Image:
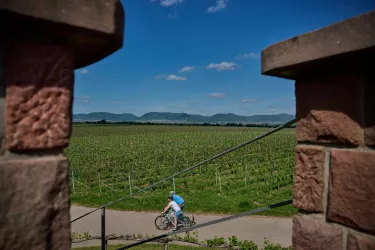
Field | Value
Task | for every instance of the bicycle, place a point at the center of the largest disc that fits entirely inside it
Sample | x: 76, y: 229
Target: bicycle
x: 165, y: 221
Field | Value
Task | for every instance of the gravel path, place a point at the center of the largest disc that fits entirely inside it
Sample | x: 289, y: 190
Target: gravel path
x: 277, y: 230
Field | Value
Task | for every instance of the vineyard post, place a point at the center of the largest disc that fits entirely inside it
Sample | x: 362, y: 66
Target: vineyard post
x: 274, y: 168
x: 216, y: 174
x: 73, y: 179
x: 245, y: 175
x: 220, y: 181
x: 116, y: 175
x: 100, y: 187
x: 228, y: 182
x: 166, y: 245
x: 257, y: 173
x: 291, y: 168
x: 174, y: 170
x: 130, y: 185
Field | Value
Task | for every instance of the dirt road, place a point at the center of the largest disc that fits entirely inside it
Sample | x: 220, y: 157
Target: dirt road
x: 277, y: 230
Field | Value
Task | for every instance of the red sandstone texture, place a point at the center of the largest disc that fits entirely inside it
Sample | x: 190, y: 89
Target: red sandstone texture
x: 360, y: 242
x: 351, y: 197
x: 34, y: 203
x: 313, y: 234
x: 328, y: 109
x: 308, y: 180
x: 39, y: 79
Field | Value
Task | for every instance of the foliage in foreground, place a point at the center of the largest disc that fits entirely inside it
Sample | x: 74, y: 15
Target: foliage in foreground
x: 231, y: 243
x: 148, y: 247
x: 111, y: 161
x: 234, y: 243
x: 217, y: 243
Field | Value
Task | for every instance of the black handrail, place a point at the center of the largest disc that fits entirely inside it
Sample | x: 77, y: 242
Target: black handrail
x: 209, y: 223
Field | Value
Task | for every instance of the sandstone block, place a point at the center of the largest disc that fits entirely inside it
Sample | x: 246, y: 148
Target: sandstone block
x: 2, y: 124
x: 312, y: 234
x: 360, y: 242
x: 351, y: 197
x: 2, y: 102
x: 93, y: 29
x: 39, y: 79
x: 308, y: 179
x: 34, y: 211
x: 339, y: 47
x: 369, y: 108
x: 328, y: 109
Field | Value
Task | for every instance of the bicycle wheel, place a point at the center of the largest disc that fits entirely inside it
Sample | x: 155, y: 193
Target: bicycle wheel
x: 162, y: 223
x: 190, y: 219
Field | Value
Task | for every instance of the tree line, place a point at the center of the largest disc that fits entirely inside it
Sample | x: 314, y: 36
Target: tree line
x: 229, y: 124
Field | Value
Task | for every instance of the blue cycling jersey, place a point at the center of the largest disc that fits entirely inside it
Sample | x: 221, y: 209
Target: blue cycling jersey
x: 178, y: 199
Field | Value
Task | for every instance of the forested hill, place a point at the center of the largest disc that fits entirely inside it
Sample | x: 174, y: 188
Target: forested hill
x: 182, y: 118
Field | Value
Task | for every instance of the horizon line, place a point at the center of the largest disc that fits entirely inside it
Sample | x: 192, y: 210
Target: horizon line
x: 175, y: 113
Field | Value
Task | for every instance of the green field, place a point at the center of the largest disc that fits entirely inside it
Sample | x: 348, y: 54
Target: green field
x: 104, y: 158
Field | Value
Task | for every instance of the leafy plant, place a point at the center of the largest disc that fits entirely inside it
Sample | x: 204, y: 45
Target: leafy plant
x: 215, y: 242
x: 270, y: 246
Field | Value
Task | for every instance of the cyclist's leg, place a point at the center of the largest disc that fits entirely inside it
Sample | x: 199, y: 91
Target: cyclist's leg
x: 177, y: 215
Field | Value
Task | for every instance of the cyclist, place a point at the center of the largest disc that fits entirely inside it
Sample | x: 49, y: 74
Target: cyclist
x: 177, y: 211
x: 180, y: 202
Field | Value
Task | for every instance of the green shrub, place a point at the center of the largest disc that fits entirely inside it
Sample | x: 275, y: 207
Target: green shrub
x: 215, y: 242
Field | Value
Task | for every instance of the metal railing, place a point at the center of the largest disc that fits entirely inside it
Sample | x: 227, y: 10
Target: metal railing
x: 102, y: 208
x: 209, y: 223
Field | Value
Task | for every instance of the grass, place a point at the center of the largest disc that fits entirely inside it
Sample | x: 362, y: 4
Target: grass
x: 104, y: 157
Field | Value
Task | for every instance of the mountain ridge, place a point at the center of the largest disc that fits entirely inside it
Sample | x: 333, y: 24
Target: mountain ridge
x: 182, y: 117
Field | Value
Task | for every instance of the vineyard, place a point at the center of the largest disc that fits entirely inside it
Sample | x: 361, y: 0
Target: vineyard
x: 111, y: 161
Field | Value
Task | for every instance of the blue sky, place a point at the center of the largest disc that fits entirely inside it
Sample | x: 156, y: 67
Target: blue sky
x: 202, y: 56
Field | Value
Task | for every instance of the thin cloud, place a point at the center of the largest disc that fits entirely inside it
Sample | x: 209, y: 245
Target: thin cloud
x: 250, y: 101
x: 84, y: 71
x: 193, y: 101
x: 171, y: 77
x: 176, y: 78
x: 272, y: 110
x: 250, y: 55
x: 220, y: 5
x: 222, y: 66
x: 82, y: 99
x: 168, y: 3
x: 217, y: 95
x: 186, y: 69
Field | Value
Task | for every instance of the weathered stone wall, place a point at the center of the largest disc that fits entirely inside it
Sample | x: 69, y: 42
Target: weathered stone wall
x: 40, y: 49
x: 334, y: 183
x: 34, y: 174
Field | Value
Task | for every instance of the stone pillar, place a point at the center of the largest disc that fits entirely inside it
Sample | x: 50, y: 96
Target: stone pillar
x: 334, y: 183
x: 40, y: 49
